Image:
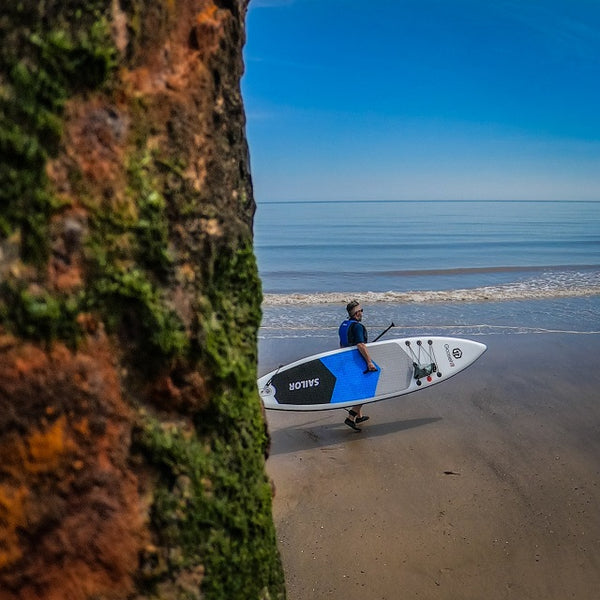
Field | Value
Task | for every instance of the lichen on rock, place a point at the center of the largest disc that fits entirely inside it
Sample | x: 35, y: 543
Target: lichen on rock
x: 132, y: 437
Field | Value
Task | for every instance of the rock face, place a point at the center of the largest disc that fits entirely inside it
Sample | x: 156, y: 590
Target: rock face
x: 132, y: 441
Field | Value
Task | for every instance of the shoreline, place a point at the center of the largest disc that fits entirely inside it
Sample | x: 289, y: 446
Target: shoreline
x: 486, y: 485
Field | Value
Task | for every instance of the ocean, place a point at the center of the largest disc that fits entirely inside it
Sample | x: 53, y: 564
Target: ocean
x: 431, y: 267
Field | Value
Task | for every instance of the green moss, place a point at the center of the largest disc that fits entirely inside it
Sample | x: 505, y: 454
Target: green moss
x: 151, y: 226
x: 42, y: 67
x: 213, y: 500
x: 133, y: 307
x: 231, y: 310
x: 39, y: 316
x: 213, y: 503
x: 129, y: 263
x: 177, y: 188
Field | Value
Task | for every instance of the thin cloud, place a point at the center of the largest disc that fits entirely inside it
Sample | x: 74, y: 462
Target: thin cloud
x: 566, y: 32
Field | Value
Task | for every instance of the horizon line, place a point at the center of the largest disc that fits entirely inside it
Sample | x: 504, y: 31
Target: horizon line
x: 344, y: 201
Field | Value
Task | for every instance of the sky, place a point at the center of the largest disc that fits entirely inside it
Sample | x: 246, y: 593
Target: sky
x: 423, y: 99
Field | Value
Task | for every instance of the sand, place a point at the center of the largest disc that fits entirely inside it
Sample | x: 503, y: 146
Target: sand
x: 483, y: 487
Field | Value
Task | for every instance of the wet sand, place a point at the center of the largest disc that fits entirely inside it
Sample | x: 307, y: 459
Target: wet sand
x: 485, y: 486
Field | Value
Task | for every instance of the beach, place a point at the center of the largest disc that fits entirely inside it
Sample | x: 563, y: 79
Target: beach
x: 485, y: 486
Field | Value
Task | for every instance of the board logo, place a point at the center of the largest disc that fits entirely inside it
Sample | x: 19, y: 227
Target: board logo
x: 303, y: 384
x: 457, y: 352
x: 449, y: 354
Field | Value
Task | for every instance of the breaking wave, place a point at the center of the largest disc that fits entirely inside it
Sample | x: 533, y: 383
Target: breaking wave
x: 494, y: 293
x: 557, y: 285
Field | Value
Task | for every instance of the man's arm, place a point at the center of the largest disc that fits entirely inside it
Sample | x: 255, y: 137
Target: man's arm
x: 362, y: 348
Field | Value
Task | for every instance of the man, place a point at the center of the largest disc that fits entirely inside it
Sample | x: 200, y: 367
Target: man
x: 353, y: 333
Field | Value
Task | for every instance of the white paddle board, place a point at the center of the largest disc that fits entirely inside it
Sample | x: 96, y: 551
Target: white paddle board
x: 340, y: 379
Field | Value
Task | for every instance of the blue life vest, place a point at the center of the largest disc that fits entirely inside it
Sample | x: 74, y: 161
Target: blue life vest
x: 346, y: 339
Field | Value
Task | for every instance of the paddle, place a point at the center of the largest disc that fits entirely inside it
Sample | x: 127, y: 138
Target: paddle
x: 380, y: 335
x: 384, y: 331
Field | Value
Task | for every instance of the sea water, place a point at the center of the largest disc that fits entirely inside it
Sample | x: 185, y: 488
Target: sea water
x: 445, y: 268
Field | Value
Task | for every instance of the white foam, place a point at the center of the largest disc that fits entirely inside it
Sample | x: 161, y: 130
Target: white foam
x: 467, y: 295
x: 537, y: 289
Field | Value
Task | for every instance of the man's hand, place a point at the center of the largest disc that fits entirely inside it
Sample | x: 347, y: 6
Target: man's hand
x: 362, y: 348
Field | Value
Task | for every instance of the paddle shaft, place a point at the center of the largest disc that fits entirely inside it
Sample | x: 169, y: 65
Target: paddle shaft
x: 384, y: 331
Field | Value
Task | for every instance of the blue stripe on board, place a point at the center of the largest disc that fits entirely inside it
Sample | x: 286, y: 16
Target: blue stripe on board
x: 352, y: 382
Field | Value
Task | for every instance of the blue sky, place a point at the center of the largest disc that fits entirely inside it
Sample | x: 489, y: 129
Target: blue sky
x: 423, y: 99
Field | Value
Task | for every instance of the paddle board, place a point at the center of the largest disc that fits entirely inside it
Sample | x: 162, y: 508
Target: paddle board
x: 340, y: 379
